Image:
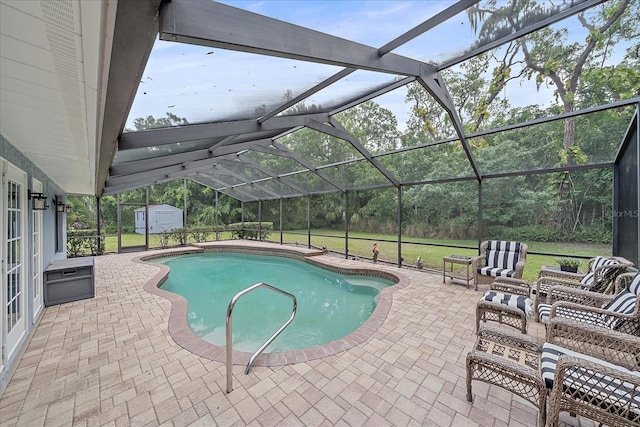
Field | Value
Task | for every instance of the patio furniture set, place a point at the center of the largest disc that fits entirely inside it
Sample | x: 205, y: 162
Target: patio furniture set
x: 589, y: 362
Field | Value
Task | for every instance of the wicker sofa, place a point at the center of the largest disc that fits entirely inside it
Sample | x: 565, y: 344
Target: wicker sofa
x: 600, y: 278
x: 580, y: 368
x: 498, y: 258
x: 620, y: 312
x: 592, y: 372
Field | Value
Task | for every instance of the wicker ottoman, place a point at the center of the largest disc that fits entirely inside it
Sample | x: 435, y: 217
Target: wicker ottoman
x: 510, y: 361
x: 507, y: 303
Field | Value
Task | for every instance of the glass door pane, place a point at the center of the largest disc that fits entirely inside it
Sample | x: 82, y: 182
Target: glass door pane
x: 14, y: 278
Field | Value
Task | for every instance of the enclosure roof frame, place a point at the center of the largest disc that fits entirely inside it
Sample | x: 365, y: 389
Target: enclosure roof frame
x: 212, y: 24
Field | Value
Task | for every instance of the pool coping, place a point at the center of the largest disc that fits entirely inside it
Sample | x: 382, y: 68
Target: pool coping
x: 185, y: 338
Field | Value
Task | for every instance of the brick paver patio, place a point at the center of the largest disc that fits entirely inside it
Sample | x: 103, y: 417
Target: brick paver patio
x: 111, y: 360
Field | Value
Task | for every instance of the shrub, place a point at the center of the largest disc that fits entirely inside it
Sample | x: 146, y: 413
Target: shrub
x: 529, y: 233
x: 74, y: 246
x: 596, y: 234
x: 95, y: 245
x: 110, y: 229
x: 540, y: 233
x: 199, y: 235
x: 250, y: 230
x: 179, y: 235
x: 80, y: 242
x: 164, y: 239
x: 569, y: 262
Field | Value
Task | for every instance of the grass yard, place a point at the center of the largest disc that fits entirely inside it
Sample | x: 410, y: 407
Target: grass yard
x: 360, y: 245
x: 133, y: 239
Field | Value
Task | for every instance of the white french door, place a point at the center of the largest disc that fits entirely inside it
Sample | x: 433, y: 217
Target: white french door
x: 13, y: 258
x: 36, y: 256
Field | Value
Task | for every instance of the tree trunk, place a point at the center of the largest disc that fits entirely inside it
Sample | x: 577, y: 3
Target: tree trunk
x: 566, y: 188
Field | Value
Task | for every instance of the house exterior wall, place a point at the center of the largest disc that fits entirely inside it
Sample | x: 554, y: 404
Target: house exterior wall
x: 48, y: 251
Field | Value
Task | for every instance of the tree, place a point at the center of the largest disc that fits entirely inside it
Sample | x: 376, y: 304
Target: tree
x: 150, y: 122
x: 81, y: 212
x: 373, y: 126
x: 552, y: 59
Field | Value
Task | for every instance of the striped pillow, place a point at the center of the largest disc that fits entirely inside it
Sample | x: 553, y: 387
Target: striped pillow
x: 606, y: 261
x: 516, y: 301
x: 623, y: 303
x: 501, y: 254
x: 599, y: 261
x: 634, y: 286
x: 587, y: 279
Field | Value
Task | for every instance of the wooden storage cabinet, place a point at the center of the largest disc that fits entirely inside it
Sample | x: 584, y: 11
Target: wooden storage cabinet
x: 69, y: 280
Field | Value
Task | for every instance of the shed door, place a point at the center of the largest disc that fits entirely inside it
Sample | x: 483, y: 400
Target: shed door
x: 164, y: 220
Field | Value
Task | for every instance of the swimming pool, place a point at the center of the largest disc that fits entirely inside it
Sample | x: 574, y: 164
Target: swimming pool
x: 330, y: 305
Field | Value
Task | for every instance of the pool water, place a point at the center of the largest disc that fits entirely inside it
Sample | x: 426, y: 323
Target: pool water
x: 330, y: 305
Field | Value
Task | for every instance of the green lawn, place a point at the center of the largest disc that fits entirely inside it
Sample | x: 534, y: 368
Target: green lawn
x: 360, y: 245
x: 132, y: 239
x: 432, y: 255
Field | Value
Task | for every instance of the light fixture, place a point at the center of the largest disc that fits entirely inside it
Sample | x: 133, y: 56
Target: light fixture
x: 38, y: 201
x: 60, y: 207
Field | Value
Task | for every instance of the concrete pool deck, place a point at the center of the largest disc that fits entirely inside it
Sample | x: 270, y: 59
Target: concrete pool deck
x: 111, y: 360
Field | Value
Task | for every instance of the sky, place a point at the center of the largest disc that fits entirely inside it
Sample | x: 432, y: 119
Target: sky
x: 206, y: 84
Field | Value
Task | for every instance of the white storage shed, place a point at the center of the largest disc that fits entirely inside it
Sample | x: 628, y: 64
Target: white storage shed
x: 162, y: 218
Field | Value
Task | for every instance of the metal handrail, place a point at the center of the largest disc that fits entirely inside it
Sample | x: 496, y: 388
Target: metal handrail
x: 261, y: 349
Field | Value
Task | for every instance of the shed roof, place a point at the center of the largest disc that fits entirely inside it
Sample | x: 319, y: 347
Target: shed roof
x: 155, y: 207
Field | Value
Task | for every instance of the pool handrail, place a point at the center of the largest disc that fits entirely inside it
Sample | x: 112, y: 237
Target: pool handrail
x: 229, y: 343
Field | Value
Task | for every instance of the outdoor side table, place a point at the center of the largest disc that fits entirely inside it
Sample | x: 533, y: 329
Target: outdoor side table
x: 457, y: 275
x: 511, y: 361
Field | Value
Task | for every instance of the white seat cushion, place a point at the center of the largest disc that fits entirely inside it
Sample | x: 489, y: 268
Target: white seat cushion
x: 496, y: 272
x: 544, y: 313
x: 517, y: 301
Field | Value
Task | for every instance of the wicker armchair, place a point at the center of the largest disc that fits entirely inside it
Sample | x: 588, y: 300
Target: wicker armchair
x: 600, y: 278
x: 592, y: 372
x: 619, y: 312
x: 498, y: 259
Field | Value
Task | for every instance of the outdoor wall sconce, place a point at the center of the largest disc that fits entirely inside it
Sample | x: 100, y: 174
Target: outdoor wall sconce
x: 38, y: 201
x: 61, y: 207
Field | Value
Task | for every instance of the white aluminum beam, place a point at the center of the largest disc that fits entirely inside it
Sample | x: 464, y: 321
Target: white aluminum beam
x: 199, y: 132
x: 135, y: 32
x: 213, y: 24
x: 434, y: 84
x: 338, y: 131
x: 187, y: 160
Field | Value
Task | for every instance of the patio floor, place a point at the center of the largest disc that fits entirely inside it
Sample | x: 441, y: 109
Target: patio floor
x: 111, y: 360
